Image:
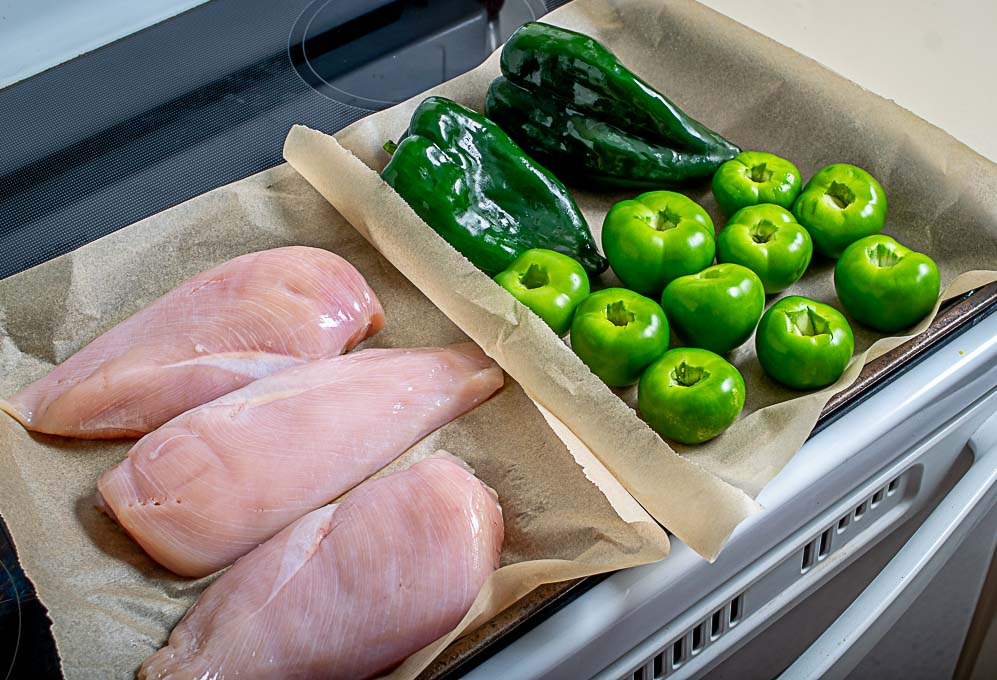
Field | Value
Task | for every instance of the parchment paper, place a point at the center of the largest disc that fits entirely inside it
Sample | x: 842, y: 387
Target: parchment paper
x: 110, y: 605
x: 942, y: 200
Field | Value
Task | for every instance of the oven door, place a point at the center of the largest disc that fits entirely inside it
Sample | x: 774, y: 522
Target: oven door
x: 897, y: 604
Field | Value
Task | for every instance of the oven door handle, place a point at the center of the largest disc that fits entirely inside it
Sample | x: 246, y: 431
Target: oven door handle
x: 860, y: 627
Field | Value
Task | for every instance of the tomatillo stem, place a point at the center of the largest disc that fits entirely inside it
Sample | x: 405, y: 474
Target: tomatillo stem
x: 687, y: 376
x: 808, y: 322
x: 535, y: 277
x: 882, y: 255
x: 618, y: 314
x: 841, y: 194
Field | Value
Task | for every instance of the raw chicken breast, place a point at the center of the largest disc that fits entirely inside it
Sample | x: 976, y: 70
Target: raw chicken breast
x: 215, y: 482
x: 244, y: 319
x: 349, y: 590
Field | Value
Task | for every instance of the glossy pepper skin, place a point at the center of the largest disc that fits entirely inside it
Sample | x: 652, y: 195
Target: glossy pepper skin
x: 885, y: 285
x: 690, y: 395
x: 804, y: 344
x: 617, y: 333
x: 839, y: 205
x: 549, y: 283
x: 753, y: 178
x: 716, y: 309
x: 574, y: 107
x: 767, y: 240
x: 475, y: 187
x: 655, y: 238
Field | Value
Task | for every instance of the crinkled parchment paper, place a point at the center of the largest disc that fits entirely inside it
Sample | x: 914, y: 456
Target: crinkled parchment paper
x: 942, y: 200
x: 110, y: 605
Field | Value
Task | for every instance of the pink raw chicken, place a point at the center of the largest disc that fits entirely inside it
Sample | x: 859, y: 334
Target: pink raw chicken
x: 215, y: 482
x: 349, y: 590
x: 244, y: 319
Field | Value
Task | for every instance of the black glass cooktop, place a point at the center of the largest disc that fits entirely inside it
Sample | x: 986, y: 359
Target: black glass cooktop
x: 190, y: 104
x: 207, y: 97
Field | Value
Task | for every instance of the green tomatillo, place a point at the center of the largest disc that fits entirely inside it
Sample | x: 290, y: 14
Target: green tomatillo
x: 839, y: 205
x: 617, y: 333
x: 656, y: 238
x: 884, y: 285
x: 767, y: 240
x: 755, y: 177
x: 804, y: 344
x: 690, y: 395
x: 550, y: 283
x: 716, y: 309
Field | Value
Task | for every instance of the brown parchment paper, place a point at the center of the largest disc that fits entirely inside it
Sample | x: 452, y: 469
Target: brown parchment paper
x: 110, y: 605
x: 761, y: 95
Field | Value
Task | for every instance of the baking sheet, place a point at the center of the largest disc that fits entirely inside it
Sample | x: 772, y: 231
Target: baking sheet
x: 942, y: 200
x: 110, y: 605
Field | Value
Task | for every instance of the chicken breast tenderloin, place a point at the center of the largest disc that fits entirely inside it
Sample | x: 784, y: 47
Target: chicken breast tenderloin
x: 215, y: 482
x: 247, y: 318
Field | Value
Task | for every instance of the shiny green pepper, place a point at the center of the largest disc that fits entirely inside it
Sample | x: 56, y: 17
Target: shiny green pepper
x: 477, y: 189
x: 839, y: 205
x: 884, y: 285
x: 767, y: 240
x: 716, y: 309
x: 656, y: 238
x: 617, y: 333
x: 753, y: 178
x: 690, y: 395
x: 804, y: 344
x: 578, y: 110
x: 549, y: 283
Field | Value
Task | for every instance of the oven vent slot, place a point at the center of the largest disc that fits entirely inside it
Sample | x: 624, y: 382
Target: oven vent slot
x: 822, y: 545
x: 688, y: 653
x: 693, y: 641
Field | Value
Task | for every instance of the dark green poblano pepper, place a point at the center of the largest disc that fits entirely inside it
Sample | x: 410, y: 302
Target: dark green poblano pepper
x: 573, y: 106
x: 477, y: 189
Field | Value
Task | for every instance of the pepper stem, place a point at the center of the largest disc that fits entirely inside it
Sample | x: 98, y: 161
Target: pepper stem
x: 390, y: 147
x: 687, y: 376
x: 808, y: 322
x: 882, y: 255
x: 840, y: 194
x: 618, y: 314
x: 535, y: 276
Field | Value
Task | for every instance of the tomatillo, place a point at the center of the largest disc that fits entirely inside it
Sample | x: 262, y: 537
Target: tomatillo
x: 656, y: 238
x: 716, y: 309
x: 690, y: 395
x: 617, y: 333
x: 550, y: 283
x: 755, y: 177
x: 885, y: 285
x: 839, y: 205
x: 767, y: 240
x: 804, y: 344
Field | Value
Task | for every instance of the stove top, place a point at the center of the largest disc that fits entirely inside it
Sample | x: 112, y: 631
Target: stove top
x: 207, y: 97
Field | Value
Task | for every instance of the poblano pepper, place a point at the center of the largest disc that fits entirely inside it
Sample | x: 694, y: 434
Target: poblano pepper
x: 474, y: 186
x: 573, y: 106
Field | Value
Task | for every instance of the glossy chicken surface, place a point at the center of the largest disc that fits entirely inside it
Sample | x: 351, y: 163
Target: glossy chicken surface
x: 218, y: 331
x: 215, y: 482
x: 349, y: 590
